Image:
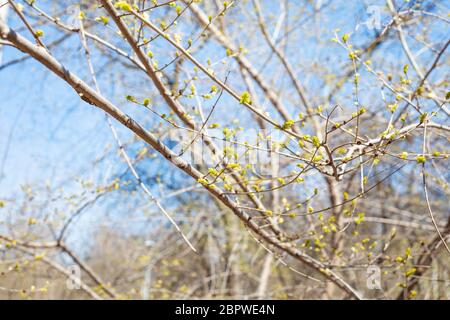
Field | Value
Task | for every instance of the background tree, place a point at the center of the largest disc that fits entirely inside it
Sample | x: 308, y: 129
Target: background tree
x: 237, y: 149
